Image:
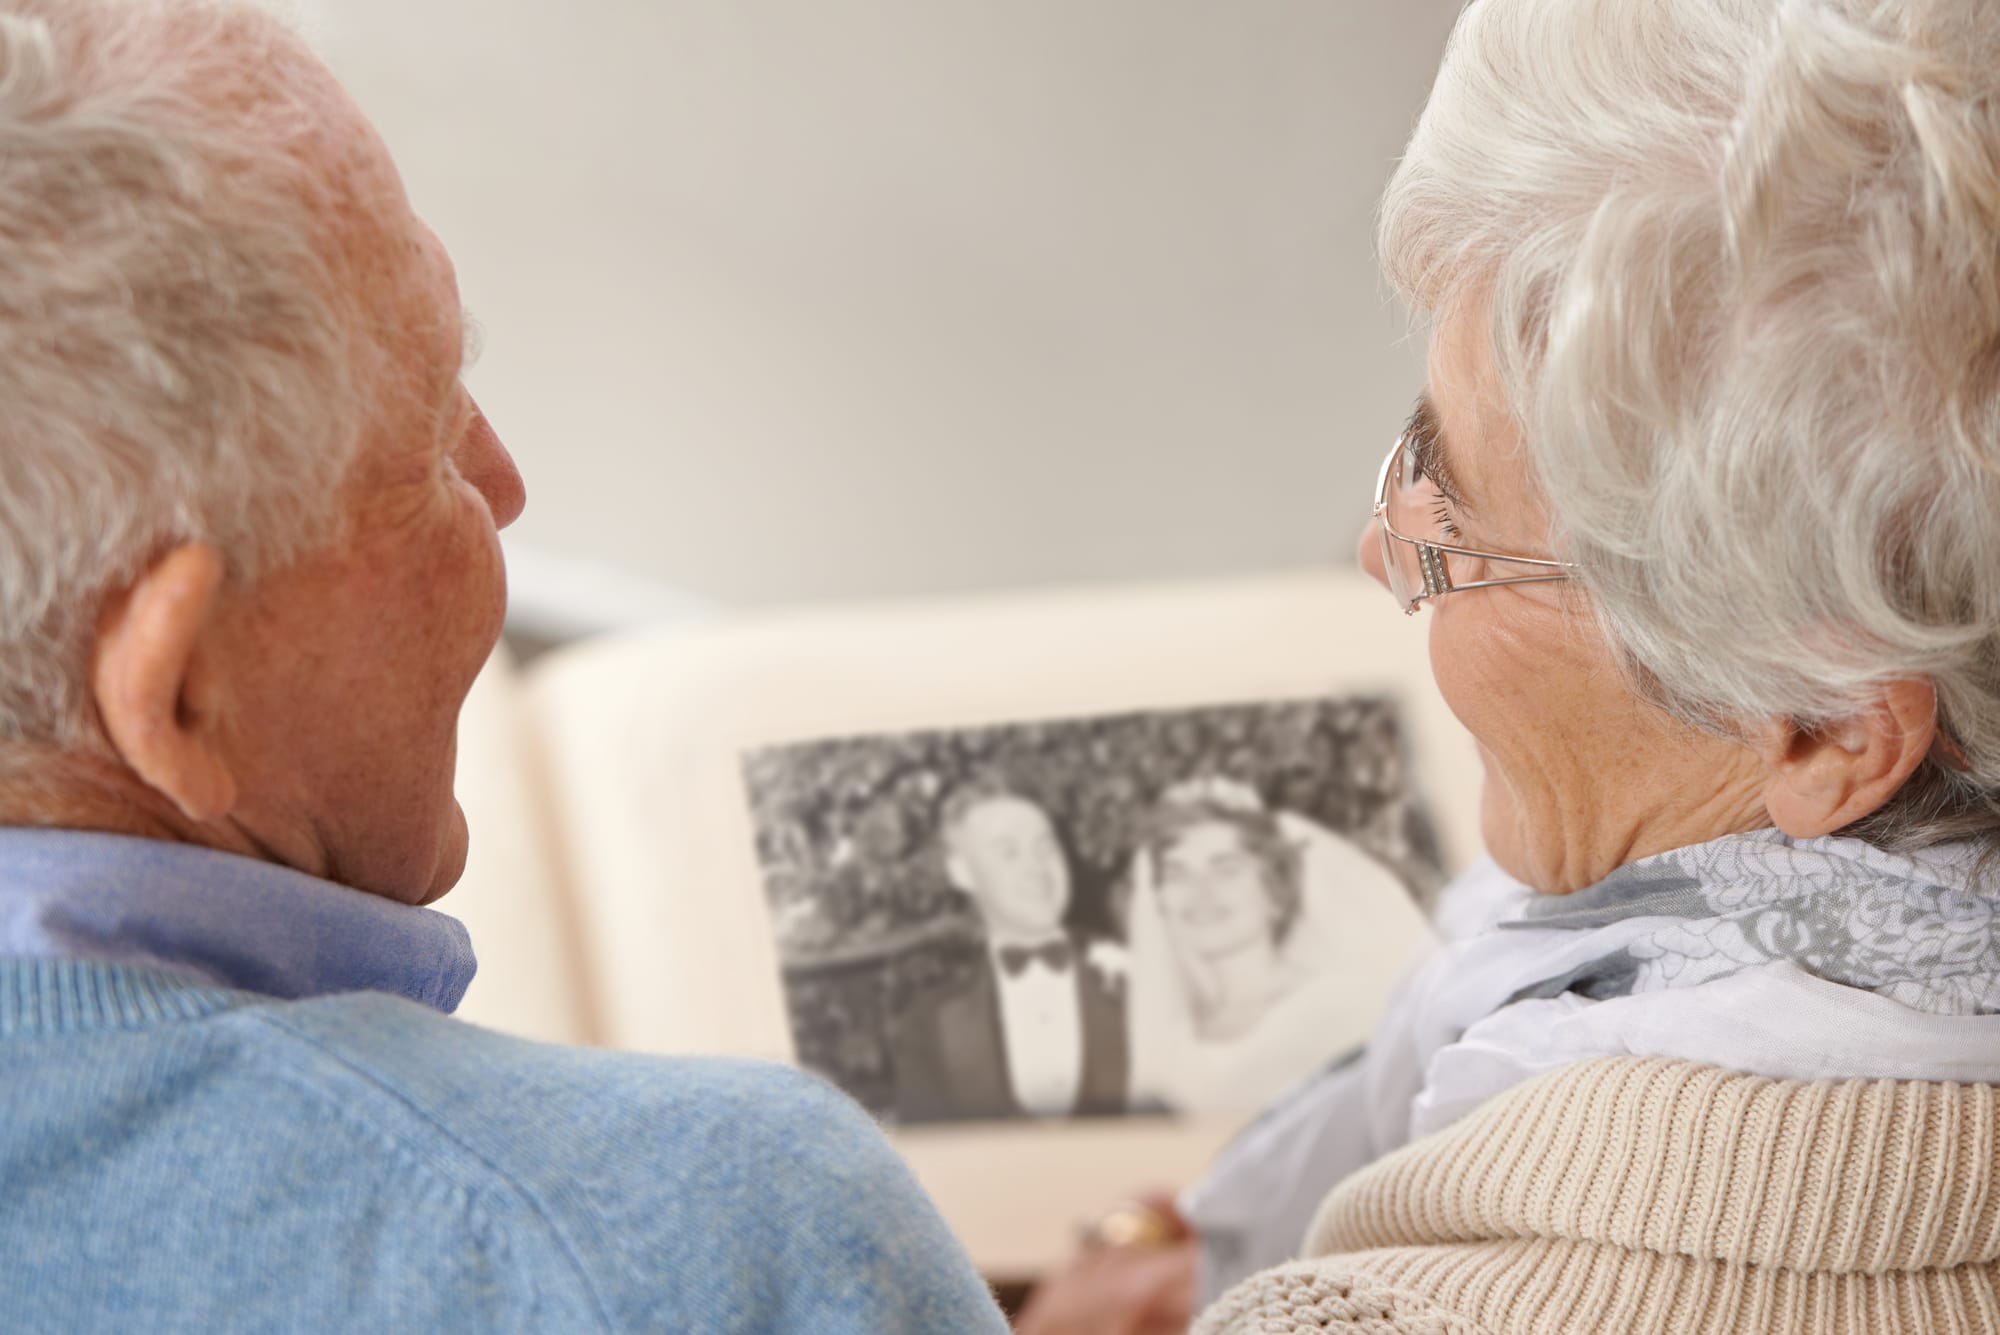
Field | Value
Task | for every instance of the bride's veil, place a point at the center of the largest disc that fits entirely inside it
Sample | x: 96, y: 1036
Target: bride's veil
x: 1332, y: 869
x: 1159, y: 1013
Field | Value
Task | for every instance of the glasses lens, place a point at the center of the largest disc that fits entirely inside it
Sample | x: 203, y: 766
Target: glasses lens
x: 1409, y: 511
x: 1399, y: 563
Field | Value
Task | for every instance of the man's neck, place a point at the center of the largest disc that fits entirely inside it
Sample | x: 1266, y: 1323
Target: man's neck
x: 45, y: 788
x: 998, y: 937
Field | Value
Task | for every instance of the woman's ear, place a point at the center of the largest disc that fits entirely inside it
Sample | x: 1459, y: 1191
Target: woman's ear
x: 1822, y: 779
x: 151, y: 681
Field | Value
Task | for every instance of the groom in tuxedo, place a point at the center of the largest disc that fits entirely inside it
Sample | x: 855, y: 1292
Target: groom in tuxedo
x: 1039, y: 1029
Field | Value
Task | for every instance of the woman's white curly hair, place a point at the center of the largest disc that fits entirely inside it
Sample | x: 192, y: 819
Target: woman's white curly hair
x: 1742, y: 260
x: 177, y: 360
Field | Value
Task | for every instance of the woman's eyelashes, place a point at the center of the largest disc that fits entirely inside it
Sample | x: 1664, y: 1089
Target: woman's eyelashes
x: 1441, y: 517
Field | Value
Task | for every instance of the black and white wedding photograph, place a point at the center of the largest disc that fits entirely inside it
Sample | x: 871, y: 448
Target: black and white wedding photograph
x: 1126, y: 913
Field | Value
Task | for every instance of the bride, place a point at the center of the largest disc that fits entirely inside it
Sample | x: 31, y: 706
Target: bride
x: 1234, y: 947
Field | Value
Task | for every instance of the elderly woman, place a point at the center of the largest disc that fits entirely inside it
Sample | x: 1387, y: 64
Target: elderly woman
x: 1703, y: 500
x: 1703, y: 505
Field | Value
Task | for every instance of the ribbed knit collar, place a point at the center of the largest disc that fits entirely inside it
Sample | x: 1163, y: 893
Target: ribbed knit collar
x: 1639, y: 1196
x: 171, y: 914
x: 63, y: 996
x: 1680, y: 1159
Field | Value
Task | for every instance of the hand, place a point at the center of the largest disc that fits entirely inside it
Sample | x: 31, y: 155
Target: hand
x: 1138, y: 1289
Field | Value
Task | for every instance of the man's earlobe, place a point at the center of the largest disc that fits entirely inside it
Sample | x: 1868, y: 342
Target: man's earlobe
x: 1823, y: 779
x: 151, y: 685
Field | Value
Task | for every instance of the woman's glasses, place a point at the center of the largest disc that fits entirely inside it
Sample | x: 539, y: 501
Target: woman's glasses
x: 1414, y: 519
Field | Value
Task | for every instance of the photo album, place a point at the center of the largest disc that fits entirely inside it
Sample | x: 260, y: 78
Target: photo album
x: 1062, y: 887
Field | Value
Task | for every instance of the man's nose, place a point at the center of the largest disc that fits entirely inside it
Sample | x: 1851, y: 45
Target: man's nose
x: 1368, y: 552
x: 485, y: 463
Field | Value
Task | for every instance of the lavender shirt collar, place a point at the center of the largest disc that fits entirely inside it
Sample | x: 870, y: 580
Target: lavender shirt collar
x: 229, y: 921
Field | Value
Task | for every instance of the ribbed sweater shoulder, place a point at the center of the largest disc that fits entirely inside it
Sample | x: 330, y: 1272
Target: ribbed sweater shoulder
x: 1637, y: 1195
x: 183, y: 1158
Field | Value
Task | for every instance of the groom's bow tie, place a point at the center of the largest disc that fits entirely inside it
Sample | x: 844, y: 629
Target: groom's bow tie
x: 1015, y: 959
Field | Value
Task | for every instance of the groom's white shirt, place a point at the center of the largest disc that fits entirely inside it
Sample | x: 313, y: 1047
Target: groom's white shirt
x: 1041, y: 1027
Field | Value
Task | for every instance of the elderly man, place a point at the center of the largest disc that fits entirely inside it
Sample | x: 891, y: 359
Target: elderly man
x: 248, y: 570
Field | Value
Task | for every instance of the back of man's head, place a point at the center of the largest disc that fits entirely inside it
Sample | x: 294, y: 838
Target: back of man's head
x: 177, y: 351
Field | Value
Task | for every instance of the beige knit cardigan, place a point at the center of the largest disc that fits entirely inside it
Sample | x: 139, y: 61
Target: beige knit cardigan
x: 1633, y: 1195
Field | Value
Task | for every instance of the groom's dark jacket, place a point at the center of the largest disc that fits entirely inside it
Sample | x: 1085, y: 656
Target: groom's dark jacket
x: 950, y: 1046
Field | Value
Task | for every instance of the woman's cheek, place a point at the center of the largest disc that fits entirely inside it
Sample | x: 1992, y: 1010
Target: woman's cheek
x: 1489, y: 683
x: 1451, y: 667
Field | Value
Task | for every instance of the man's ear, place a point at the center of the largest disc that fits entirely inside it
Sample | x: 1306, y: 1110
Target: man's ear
x: 956, y: 871
x: 152, y: 687
x: 1822, y: 779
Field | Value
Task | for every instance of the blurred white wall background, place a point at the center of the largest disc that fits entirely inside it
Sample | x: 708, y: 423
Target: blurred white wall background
x: 804, y: 299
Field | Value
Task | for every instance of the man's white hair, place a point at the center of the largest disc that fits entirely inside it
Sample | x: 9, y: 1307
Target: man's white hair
x: 1741, y: 265
x: 177, y: 355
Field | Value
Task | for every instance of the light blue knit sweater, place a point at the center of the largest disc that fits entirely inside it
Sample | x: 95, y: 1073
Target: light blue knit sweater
x: 181, y: 1156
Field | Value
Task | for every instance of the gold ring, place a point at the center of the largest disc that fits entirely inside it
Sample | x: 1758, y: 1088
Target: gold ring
x: 1132, y: 1224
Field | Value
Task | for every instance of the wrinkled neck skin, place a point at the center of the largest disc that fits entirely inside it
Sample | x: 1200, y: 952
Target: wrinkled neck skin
x: 43, y: 787
x: 1578, y: 844
x: 1581, y: 775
